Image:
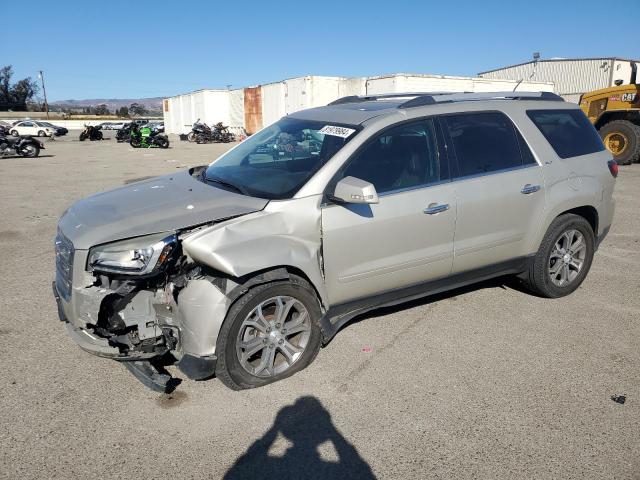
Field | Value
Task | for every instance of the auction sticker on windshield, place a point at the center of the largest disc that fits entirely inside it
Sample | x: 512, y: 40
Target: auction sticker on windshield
x: 336, y: 131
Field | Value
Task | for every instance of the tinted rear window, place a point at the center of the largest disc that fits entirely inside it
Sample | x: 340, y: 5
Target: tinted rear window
x: 568, y: 131
x: 483, y: 142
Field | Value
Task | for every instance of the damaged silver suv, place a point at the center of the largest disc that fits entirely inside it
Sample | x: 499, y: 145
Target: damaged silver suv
x: 242, y: 269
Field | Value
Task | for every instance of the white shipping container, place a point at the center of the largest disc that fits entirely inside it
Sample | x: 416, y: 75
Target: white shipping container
x: 279, y: 99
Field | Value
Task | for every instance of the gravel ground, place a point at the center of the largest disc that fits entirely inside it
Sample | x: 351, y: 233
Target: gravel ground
x: 484, y: 382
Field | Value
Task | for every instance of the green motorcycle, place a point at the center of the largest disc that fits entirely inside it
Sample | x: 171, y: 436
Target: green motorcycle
x: 143, y: 137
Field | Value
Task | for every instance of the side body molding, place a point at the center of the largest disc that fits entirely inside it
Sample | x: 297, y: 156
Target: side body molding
x: 285, y: 233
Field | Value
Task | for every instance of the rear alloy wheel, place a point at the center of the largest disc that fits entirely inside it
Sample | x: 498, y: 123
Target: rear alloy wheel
x: 622, y: 139
x: 563, y: 259
x: 567, y: 258
x: 269, y: 334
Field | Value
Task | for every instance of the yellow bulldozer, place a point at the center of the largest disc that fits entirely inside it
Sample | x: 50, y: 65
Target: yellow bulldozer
x: 615, y: 112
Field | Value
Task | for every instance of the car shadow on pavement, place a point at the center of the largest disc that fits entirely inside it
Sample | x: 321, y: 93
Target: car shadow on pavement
x: 291, y: 448
x: 507, y: 282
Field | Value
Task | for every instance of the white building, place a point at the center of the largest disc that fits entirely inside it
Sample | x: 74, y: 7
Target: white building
x: 571, y: 76
x: 252, y: 108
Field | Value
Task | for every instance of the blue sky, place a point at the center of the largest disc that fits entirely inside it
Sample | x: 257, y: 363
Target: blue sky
x: 118, y: 49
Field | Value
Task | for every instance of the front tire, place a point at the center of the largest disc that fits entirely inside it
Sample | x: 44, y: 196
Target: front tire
x: 563, y: 259
x: 15, y: 133
x: 269, y: 334
x: 622, y: 139
x: 41, y: 133
x: 191, y: 137
x: 82, y: 137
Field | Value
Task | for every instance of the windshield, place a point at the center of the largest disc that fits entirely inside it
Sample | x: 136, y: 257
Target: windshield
x: 277, y: 161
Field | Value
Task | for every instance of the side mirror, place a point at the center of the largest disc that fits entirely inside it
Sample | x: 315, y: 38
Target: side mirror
x: 354, y: 190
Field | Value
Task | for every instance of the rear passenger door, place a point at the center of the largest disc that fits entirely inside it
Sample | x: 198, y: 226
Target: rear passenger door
x: 499, y: 187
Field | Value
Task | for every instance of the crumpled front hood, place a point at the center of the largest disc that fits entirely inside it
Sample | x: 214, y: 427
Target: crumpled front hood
x: 160, y: 204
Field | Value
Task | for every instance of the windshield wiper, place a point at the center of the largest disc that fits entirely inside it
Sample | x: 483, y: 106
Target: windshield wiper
x: 224, y: 183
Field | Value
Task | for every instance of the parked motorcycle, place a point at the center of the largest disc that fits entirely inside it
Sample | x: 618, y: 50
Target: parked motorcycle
x: 222, y: 134
x: 124, y: 134
x: 19, y: 146
x: 200, y: 133
x: 143, y: 137
x: 91, y: 132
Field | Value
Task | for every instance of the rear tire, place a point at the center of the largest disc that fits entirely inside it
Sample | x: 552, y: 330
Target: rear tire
x: 568, y: 245
x: 622, y: 139
x: 271, y: 341
x: 163, y: 142
x: 32, y: 151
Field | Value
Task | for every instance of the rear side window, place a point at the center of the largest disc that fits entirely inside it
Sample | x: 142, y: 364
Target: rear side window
x: 568, y: 131
x: 483, y: 142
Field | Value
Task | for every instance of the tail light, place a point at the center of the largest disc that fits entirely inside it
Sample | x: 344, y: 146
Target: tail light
x: 613, y: 167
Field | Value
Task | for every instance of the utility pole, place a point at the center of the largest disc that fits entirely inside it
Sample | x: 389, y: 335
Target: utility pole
x: 44, y: 91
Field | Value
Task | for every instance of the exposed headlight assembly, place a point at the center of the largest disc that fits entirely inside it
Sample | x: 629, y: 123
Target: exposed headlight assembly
x: 135, y: 256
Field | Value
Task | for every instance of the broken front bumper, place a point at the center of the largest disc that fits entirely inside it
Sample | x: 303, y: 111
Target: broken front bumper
x: 194, y: 366
x: 86, y: 340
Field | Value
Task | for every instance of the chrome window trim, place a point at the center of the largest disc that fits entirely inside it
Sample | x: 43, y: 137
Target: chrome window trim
x: 495, y: 172
x: 414, y: 187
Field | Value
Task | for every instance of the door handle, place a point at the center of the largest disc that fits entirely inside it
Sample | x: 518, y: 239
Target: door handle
x: 528, y: 188
x: 434, y: 208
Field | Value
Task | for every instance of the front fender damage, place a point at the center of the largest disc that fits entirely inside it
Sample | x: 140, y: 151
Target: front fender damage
x: 176, y: 316
x: 284, y: 234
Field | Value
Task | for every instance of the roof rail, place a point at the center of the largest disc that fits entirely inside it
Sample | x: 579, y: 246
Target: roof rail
x: 419, y: 99
x: 466, y: 97
x: 380, y: 96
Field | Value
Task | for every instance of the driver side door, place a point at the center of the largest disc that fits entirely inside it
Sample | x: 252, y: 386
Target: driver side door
x: 406, y: 238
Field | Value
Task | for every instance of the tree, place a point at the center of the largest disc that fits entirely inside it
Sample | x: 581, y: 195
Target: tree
x: 137, y: 110
x: 123, y: 112
x: 102, y: 110
x: 16, y: 96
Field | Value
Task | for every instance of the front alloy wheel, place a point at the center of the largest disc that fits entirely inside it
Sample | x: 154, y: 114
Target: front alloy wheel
x: 269, y: 333
x: 273, y: 336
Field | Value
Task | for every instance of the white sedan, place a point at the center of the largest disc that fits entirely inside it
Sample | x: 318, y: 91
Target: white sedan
x: 31, y: 127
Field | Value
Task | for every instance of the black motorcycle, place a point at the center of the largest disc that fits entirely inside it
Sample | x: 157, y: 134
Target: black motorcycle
x: 124, y: 134
x: 91, y: 132
x: 19, y: 146
x: 222, y: 134
x: 200, y: 133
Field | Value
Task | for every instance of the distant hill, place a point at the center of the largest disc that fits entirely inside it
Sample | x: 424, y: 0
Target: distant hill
x: 152, y: 104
